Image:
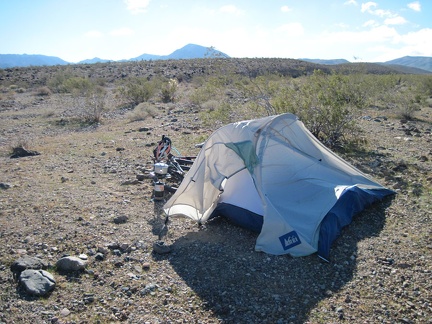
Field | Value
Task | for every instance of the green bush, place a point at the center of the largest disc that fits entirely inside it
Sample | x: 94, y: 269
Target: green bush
x: 327, y: 104
x: 137, y: 90
x: 57, y: 82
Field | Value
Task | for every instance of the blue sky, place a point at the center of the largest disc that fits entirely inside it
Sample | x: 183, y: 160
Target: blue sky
x: 74, y: 30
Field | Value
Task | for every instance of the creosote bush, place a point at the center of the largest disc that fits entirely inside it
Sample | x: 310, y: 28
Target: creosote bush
x: 88, y: 97
x: 137, y: 90
x: 327, y: 104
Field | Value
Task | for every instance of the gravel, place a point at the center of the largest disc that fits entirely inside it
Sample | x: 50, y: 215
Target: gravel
x: 81, y: 196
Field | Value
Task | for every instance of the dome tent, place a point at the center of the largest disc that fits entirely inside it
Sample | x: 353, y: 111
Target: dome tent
x: 273, y: 176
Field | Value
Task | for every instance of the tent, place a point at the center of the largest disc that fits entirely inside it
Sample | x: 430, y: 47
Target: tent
x: 273, y: 176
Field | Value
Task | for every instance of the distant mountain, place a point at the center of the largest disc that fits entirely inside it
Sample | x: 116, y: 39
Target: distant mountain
x: 190, y: 51
x: 20, y: 60
x: 419, y: 62
x: 93, y: 60
x: 406, y: 64
x: 405, y: 69
x: 326, y: 62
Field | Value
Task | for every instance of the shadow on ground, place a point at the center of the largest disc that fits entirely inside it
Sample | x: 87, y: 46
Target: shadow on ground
x: 242, y: 286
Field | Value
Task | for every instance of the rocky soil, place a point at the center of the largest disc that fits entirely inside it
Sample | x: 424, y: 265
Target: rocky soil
x: 80, y: 196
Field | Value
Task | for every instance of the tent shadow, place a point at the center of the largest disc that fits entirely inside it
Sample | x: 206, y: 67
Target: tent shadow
x: 239, y: 285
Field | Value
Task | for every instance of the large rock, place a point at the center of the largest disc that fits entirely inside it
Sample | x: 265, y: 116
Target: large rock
x: 37, y: 282
x: 27, y: 262
x: 70, y: 263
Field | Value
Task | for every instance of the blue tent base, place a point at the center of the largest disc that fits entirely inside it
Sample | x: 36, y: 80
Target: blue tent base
x: 352, y: 201
x: 239, y: 216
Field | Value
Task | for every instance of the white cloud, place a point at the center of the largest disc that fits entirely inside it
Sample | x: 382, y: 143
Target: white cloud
x: 285, y: 9
x: 291, y: 29
x: 342, y: 25
x: 366, y: 7
x: 418, y: 42
x: 398, y: 20
x: 93, y: 34
x: 370, y: 23
x: 350, y: 2
x: 369, y: 7
x: 377, y: 34
x: 231, y: 9
x: 122, y: 32
x: 414, y: 6
x: 137, y: 6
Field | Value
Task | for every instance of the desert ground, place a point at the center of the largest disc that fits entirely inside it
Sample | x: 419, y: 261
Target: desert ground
x: 69, y: 200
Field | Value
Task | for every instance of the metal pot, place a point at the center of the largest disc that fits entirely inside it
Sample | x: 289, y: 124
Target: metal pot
x: 161, y: 168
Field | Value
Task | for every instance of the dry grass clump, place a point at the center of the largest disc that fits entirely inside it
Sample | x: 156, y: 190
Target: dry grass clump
x: 43, y: 91
x: 142, y: 111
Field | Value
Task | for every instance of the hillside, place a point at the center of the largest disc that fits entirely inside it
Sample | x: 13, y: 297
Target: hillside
x: 16, y: 60
x: 326, y: 62
x: 186, y: 69
x: 419, y: 62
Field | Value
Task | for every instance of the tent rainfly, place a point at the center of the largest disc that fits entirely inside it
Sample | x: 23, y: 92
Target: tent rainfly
x: 273, y: 176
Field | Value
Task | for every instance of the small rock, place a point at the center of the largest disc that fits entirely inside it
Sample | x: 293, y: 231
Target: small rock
x: 70, y: 263
x: 124, y: 247
x: 4, y: 186
x: 120, y: 219
x: 159, y: 247
x: 64, y: 312
x: 140, y: 177
x: 103, y: 250
x: 22, y: 152
x: 130, y: 182
x: 148, y: 289
x: 99, y: 256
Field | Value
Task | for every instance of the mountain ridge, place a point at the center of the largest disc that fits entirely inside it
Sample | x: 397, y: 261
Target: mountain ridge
x: 406, y: 64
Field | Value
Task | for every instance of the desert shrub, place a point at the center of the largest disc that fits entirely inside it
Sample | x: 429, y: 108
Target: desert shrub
x: 406, y: 103
x: 78, y: 86
x: 89, y: 104
x: 43, y: 91
x: 213, y: 89
x: 142, y: 111
x: 57, y: 82
x: 168, y: 91
x: 87, y: 97
x: 137, y: 90
x: 217, y: 115
x: 327, y: 104
x: 259, y: 91
x: 427, y: 86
